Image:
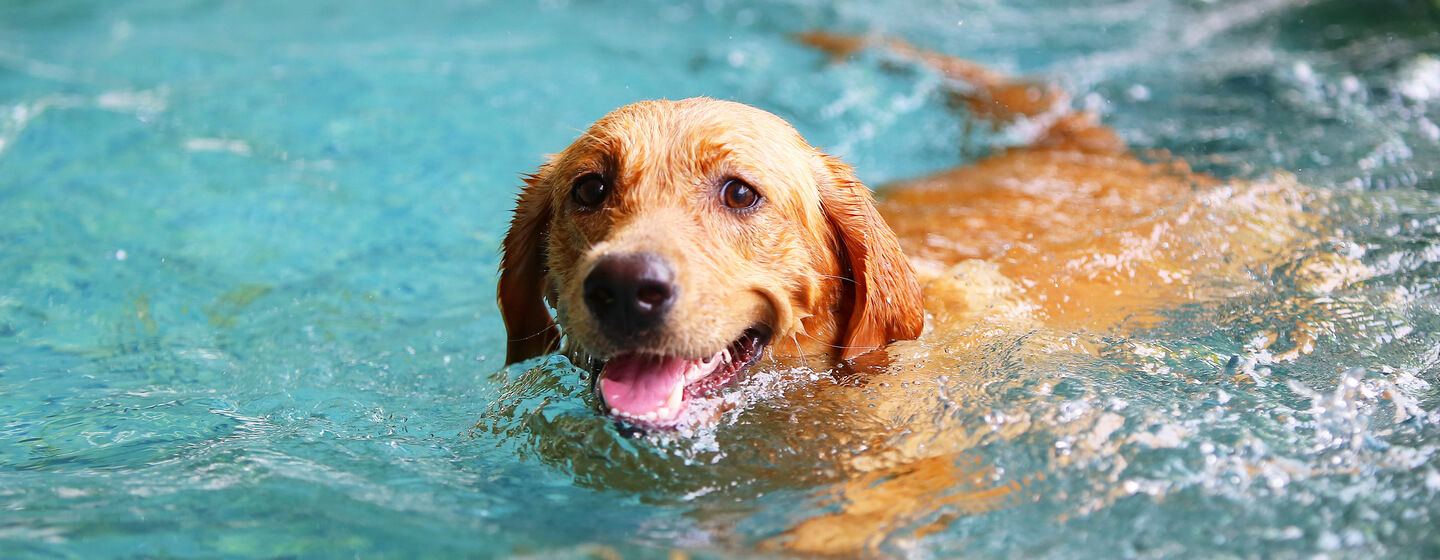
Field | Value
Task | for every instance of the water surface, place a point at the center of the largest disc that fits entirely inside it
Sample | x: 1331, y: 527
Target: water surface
x: 248, y: 255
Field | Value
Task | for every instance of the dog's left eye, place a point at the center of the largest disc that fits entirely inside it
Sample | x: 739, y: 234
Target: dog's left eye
x: 589, y: 191
x: 739, y: 194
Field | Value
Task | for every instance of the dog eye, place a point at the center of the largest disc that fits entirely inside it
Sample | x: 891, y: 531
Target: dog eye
x: 739, y: 194
x: 589, y: 191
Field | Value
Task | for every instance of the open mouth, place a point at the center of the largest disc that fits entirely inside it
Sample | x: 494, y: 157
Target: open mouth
x: 654, y: 389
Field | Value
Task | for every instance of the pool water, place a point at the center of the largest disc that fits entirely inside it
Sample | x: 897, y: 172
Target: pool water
x: 248, y: 254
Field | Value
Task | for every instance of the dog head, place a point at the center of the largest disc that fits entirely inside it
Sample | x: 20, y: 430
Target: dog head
x: 680, y: 241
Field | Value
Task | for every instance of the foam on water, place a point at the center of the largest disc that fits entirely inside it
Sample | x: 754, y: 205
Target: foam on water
x: 248, y: 252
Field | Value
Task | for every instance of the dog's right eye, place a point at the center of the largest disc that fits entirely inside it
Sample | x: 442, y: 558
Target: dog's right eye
x: 589, y: 191
x: 739, y: 195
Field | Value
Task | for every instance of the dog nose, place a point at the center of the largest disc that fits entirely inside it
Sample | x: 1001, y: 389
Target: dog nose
x: 630, y: 293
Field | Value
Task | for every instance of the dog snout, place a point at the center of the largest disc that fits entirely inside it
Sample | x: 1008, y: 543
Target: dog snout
x: 628, y: 294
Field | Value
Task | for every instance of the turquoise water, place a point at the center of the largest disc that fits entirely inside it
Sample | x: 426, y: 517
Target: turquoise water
x: 248, y: 255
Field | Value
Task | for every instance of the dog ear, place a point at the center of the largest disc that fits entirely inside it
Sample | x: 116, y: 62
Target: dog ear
x: 528, y: 325
x: 887, y: 294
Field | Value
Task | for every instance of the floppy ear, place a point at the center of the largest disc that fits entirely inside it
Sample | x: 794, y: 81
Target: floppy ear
x: 528, y: 325
x: 887, y: 295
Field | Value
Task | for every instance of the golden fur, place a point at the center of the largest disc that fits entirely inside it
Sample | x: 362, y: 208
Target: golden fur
x: 1071, y: 233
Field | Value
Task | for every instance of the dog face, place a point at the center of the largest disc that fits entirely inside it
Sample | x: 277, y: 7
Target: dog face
x: 681, y: 241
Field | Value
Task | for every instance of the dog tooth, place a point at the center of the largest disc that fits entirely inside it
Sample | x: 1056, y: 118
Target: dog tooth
x: 696, y: 373
x: 675, y: 402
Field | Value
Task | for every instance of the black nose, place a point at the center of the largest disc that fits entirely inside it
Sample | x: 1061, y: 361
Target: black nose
x: 630, y: 293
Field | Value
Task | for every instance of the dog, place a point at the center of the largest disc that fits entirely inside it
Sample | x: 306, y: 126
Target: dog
x: 683, y: 242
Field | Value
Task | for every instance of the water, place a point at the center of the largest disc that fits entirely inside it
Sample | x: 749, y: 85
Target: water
x: 249, y: 253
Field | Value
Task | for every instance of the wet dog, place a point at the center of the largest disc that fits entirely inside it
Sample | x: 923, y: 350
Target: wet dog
x: 681, y: 242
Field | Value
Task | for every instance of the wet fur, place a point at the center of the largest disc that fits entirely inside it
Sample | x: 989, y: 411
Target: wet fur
x: 1070, y: 234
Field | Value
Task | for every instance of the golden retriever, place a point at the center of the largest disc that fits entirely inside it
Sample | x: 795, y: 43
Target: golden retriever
x: 681, y: 242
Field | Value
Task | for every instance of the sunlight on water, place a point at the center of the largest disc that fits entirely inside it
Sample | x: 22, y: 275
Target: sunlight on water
x: 249, y: 256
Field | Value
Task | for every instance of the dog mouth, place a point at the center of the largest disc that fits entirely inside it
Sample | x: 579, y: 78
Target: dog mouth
x: 654, y: 389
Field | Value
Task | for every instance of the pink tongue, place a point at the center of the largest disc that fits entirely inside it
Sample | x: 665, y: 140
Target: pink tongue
x: 635, y: 384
